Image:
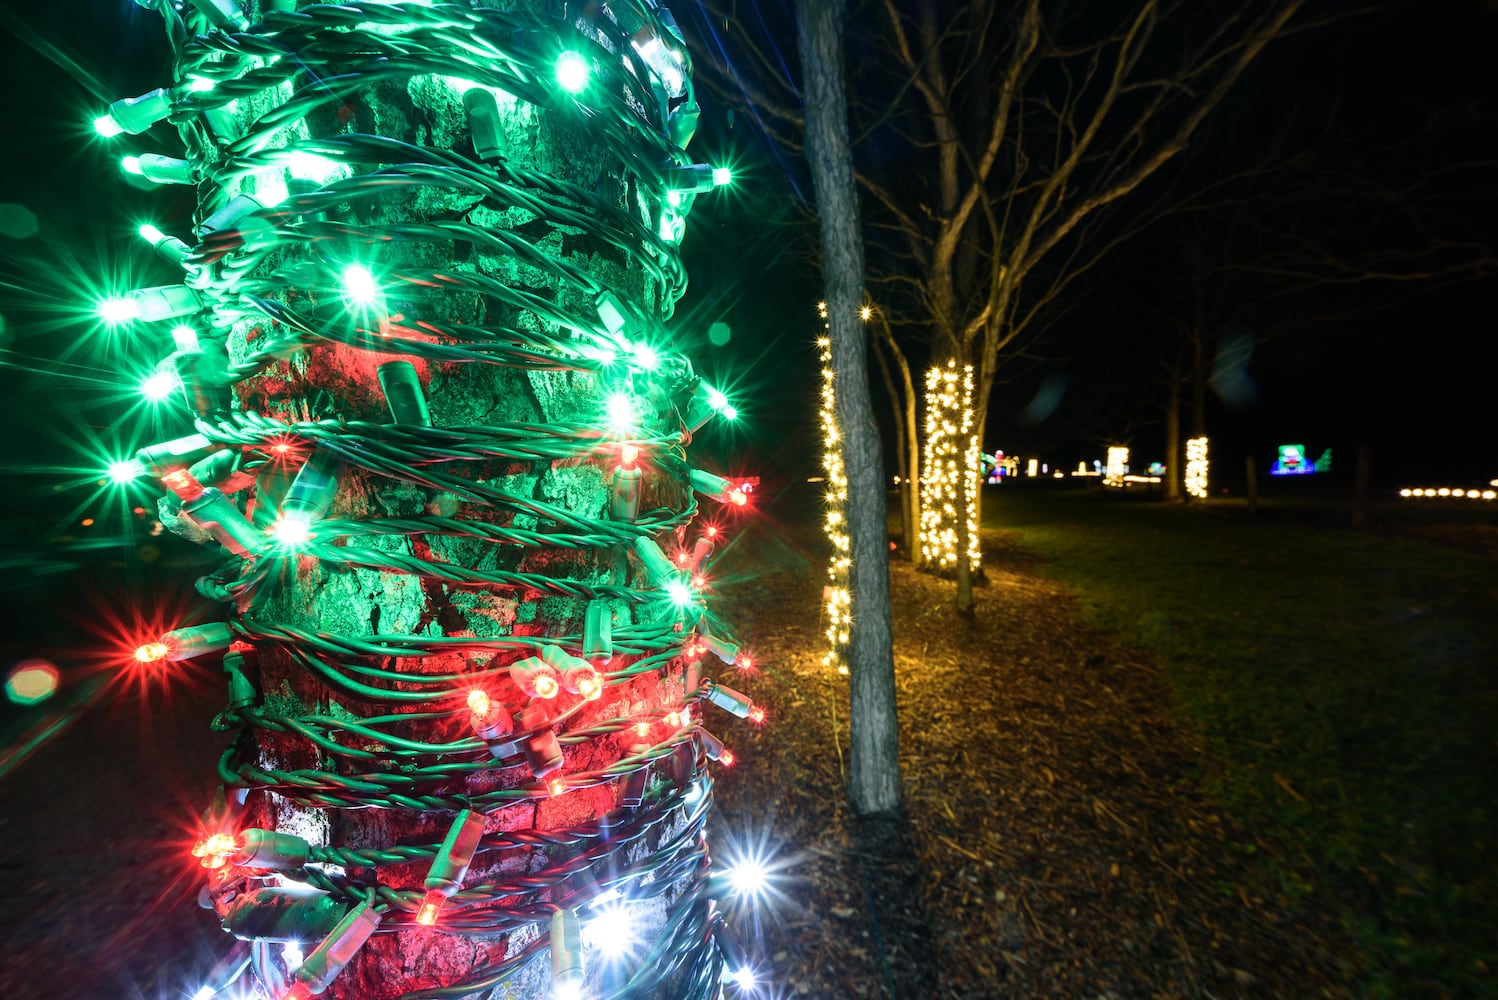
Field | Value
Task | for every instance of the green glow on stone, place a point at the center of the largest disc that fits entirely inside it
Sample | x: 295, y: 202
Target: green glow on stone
x: 360, y: 285
x: 118, y: 310
x: 722, y: 176
x: 311, y: 167
x: 573, y: 72
x: 131, y: 165
x: 107, y: 127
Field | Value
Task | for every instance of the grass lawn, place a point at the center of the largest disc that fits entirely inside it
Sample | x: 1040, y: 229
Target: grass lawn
x: 1346, y: 688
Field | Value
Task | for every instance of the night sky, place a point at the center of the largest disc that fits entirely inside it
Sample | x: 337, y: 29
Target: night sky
x: 1404, y: 366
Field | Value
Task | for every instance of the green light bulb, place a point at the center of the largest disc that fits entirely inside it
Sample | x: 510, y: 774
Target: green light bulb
x: 679, y: 593
x: 126, y: 471
x: 645, y: 356
x: 722, y: 176
x: 621, y: 413
x: 131, y: 165
x: 151, y: 234
x: 159, y: 386
x: 119, y: 310
x: 359, y: 285
x: 292, y: 530
x: 573, y: 72
x: 107, y: 127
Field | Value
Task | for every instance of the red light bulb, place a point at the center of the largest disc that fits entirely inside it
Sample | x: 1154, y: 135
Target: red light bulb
x: 214, y: 849
x: 430, y: 904
x: 478, y: 702
x: 152, y: 652
x: 556, y: 785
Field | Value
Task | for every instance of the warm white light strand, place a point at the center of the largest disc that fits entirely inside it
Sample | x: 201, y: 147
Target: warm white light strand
x: 1117, y: 467
x: 837, y: 602
x: 1196, y: 467
x: 953, y: 462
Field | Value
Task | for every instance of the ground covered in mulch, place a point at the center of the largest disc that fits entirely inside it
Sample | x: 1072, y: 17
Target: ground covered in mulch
x: 1054, y: 841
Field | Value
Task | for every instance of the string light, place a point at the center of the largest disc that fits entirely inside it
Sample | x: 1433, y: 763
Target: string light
x: 953, y: 462
x: 1196, y: 468
x: 837, y: 601
x: 297, y: 475
x: 1447, y: 492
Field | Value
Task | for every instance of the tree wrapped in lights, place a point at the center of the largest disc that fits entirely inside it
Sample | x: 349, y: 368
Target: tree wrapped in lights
x: 953, y: 461
x: 837, y: 602
x: 440, y: 437
x: 1196, y: 468
x: 1117, y: 466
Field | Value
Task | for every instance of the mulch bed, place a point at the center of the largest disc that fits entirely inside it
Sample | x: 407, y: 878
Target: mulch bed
x: 1054, y: 840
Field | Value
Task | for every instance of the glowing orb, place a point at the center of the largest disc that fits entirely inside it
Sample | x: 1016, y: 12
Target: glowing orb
x: 31, y: 681
x: 573, y: 72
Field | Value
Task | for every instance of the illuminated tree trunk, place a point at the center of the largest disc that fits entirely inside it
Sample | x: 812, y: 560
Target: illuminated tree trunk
x: 430, y: 266
x: 874, y: 760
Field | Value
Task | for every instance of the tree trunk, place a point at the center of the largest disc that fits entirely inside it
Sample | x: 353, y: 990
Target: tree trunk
x: 874, y: 751
x: 912, y: 495
x: 908, y: 527
x: 1362, y: 475
x: 1199, y: 386
x: 1173, y: 450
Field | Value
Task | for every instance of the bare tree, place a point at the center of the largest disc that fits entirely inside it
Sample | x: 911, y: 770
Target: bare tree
x: 874, y: 753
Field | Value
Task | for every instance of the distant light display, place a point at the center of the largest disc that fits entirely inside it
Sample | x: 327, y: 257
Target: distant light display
x: 1447, y: 493
x: 1196, y: 468
x: 1292, y: 461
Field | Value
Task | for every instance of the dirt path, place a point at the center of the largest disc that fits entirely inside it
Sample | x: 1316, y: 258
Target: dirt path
x: 1054, y: 844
